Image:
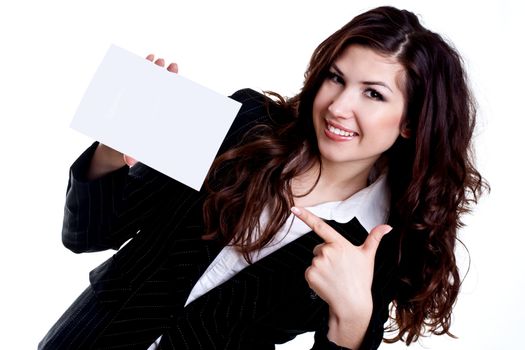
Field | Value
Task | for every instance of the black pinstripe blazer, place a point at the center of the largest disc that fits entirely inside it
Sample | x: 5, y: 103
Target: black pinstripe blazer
x: 269, y: 302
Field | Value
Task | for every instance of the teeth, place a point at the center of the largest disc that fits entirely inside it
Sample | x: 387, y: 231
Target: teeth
x: 337, y: 131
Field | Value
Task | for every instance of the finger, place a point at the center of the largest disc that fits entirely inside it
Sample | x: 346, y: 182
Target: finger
x: 173, y: 67
x: 150, y: 57
x: 323, y: 230
x: 317, y: 249
x: 129, y: 160
x: 312, y: 278
x: 159, y: 62
x: 309, y: 275
x: 374, y: 238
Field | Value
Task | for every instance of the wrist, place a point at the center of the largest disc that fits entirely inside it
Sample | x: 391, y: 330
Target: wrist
x: 105, y: 160
x: 347, y: 329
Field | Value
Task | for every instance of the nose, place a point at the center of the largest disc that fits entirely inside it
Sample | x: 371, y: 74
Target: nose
x: 343, y: 105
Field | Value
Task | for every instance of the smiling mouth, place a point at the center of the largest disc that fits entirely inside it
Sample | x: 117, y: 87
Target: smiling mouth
x: 339, y: 133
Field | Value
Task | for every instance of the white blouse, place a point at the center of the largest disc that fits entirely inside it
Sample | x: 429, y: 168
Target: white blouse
x: 370, y: 206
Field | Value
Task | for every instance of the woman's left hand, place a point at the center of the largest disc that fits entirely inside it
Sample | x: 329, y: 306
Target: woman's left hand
x: 341, y: 274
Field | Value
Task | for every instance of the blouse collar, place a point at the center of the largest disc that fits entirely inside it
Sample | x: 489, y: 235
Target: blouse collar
x: 371, y: 206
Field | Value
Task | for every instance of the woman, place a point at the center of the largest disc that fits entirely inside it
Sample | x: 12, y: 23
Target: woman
x: 380, y: 133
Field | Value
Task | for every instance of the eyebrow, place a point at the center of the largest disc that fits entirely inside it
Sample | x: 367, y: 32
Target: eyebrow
x: 380, y: 83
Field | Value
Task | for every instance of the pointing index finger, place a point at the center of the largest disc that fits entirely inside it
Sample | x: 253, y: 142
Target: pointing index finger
x: 323, y: 230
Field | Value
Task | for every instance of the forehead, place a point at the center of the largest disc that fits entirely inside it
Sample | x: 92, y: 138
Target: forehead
x: 365, y: 64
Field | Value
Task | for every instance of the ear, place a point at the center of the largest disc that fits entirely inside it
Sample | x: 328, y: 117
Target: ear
x: 406, y: 133
x: 404, y: 130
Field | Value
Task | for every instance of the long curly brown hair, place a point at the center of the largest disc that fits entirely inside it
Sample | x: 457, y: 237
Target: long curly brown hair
x: 431, y: 174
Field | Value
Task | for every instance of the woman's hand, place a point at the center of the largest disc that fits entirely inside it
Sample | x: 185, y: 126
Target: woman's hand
x: 107, y: 159
x: 341, y: 274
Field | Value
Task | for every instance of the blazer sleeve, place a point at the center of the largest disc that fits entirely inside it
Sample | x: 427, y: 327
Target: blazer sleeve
x: 106, y: 212
x: 371, y: 341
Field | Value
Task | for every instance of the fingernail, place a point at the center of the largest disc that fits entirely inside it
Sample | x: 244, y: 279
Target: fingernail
x: 387, y: 229
x: 295, y: 210
x: 128, y: 160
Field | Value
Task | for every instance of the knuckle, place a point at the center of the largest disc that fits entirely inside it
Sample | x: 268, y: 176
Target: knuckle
x: 311, y: 275
x: 317, y: 262
x: 308, y: 274
x: 318, y: 225
x: 375, y: 239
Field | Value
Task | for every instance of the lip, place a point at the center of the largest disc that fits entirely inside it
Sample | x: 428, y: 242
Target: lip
x: 336, y: 137
x: 339, y: 126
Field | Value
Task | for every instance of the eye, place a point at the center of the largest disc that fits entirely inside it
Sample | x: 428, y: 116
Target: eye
x: 334, y: 77
x: 374, y: 94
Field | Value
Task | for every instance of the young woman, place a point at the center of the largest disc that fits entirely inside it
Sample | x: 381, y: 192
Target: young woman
x: 289, y: 234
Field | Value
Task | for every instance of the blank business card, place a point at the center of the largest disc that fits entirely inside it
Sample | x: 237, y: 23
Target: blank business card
x: 160, y: 118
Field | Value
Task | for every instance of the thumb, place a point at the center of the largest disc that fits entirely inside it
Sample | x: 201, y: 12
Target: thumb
x: 375, y: 236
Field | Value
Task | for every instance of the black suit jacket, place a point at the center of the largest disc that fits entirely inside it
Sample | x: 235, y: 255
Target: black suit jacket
x: 145, y: 284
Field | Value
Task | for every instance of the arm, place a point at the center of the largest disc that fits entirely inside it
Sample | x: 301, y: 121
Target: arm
x: 374, y: 333
x: 103, y: 213
x: 107, y: 202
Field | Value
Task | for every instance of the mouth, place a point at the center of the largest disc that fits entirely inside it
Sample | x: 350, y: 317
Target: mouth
x: 339, y: 133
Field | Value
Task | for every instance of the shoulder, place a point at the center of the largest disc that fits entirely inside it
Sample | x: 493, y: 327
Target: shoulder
x: 257, y: 109
x: 249, y: 98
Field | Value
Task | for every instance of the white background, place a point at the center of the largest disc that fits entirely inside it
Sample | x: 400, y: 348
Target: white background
x: 50, y: 50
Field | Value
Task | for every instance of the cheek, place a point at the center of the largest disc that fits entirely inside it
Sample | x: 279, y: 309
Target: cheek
x: 323, y: 97
x: 391, y: 123
x: 387, y: 129
x: 318, y: 109
x: 318, y: 104
x: 393, y: 128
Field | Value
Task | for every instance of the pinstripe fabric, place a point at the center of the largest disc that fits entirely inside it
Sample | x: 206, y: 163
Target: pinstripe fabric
x: 139, y: 293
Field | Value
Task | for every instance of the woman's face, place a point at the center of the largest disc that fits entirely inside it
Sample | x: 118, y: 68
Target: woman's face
x: 357, y: 111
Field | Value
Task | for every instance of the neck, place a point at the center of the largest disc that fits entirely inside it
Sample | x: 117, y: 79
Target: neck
x: 337, y: 182
x: 344, y: 178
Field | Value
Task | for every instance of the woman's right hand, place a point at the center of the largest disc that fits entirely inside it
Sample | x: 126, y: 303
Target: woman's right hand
x: 107, y: 159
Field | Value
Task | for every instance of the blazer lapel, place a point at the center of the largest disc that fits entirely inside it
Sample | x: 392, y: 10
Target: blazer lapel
x: 267, y: 302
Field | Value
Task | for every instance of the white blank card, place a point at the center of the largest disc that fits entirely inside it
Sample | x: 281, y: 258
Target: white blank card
x: 163, y: 120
